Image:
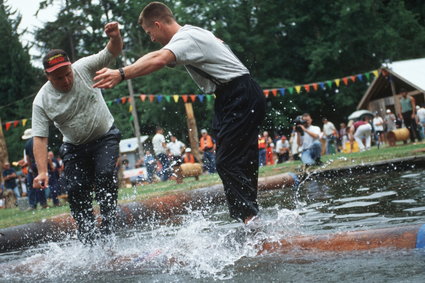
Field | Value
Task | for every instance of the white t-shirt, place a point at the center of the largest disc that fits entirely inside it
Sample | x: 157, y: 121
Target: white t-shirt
x: 176, y: 147
x: 376, y: 121
x: 328, y: 128
x: 280, y: 145
x: 200, y: 48
x: 308, y: 140
x: 421, y: 114
x: 81, y: 114
x: 157, y: 142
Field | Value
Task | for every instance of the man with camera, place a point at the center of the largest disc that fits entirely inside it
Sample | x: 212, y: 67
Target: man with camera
x: 309, y: 140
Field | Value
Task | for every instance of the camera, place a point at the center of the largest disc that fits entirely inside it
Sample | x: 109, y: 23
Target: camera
x: 299, y: 121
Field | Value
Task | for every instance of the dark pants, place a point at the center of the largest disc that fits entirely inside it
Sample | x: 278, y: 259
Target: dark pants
x: 239, y: 111
x: 165, y: 163
x: 209, y: 161
x: 411, y: 125
x: 91, y: 168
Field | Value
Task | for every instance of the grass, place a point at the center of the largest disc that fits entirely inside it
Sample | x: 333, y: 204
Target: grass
x: 15, y: 216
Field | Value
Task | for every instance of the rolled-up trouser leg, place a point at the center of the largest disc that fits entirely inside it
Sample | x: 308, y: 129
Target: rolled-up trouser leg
x: 239, y: 111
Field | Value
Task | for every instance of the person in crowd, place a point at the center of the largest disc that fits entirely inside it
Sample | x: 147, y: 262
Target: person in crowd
x: 150, y: 164
x: 310, y: 142
x: 35, y: 194
x: 361, y: 130
x: 10, y: 179
x: 330, y: 134
x: 54, y: 185
x: 378, y: 127
x: 269, y: 148
x: 239, y: 105
x: 296, y: 149
x: 176, y: 148
x: 188, y: 156
x: 207, y: 146
x: 282, y: 150
x: 160, y: 149
x: 390, y: 121
x: 343, y: 136
x: 90, y: 148
x: 420, y: 120
x: 408, y: 114
x: 262, y: 146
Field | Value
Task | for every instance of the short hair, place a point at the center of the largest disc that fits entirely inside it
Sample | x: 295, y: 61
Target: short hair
x: 306, y: 114
x: 158, y: 128
x: 155, y: 11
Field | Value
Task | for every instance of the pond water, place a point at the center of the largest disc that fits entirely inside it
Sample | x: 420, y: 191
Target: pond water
x: 207, y: 246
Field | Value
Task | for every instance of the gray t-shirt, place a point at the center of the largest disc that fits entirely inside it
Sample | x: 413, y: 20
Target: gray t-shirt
x: 200, y: 48
x: 81, y: 114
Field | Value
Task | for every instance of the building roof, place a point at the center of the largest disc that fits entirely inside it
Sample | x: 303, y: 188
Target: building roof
x: 407, y: 74
x: 130, y: 145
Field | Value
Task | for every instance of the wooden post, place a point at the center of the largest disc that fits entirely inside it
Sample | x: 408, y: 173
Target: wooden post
x: 193, y: 131
x: 4, y: 156
x: 397, y: 107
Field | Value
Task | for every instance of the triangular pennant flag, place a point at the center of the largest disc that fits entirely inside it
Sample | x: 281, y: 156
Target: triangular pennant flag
x: 123, y: 100
x: 131, y: 118
x: 176, y: 98
x: 375, y: 73
x: 315, y: 86
x: 143, y: 97
x: 159, y: 97
x: 367, y: 75
x: 193, y: 97
x: 291, y: 90
x: 345, y: 80
x: 185, y: 97
x: 360, y: 76
x: 282, y: 91
x: 298, y: 88
x: 117, y: 100
x: 209, y: 98
x: 266, y: 92
x: 151, y: 97
x: 8, y: 124
x: 274, y: 91
x: 322, y: 85
x: 201, y: 97
x: 307, y: 88
x: 168, y: 98
x: 15, y: 123
x: 130, y: 108
x: 337, y: 82
x: 24, y: 122
x: 109, y: 102
x: 329, y: 83
x: 353, y: 78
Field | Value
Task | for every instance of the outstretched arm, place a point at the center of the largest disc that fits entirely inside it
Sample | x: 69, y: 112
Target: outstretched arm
x: 40, y: 155
x: 115, y: 41
x: 149, y: 63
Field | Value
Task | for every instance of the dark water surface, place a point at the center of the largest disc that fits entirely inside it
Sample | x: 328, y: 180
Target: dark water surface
x: 206, y: 246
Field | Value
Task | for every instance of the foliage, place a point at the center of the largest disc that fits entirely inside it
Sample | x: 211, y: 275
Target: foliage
x: 283, y: 43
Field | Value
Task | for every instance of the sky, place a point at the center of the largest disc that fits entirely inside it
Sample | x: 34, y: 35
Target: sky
x: 28, y: 8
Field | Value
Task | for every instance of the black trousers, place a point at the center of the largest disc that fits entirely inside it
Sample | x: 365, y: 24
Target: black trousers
x: 91, y: 168
x: 411, y: 125
x: 239, y: 111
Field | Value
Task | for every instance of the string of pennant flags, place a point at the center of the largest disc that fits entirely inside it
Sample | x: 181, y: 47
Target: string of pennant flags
x: 209, y: 97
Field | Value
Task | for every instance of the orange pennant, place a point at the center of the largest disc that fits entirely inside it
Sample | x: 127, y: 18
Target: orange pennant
x: 193, y: 97
x: 274, y: 91
x: 266, y: 92
x: 151, y: 98
x: 345, y: 80
x: 123, y: 100
x: 353, y: 78
x: 315, y: 86
x: 185, y: 97
x: 15, y: 124
x: 8, y: 124
x: 307, y: 88
x: 143, y: 97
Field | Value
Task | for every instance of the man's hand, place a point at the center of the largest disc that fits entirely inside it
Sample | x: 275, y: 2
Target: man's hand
x: 112, y: 30
x: 107, y: 78
x: 41, y: 181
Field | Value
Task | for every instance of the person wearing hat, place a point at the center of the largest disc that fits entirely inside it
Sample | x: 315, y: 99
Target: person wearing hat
x: 282, y: 150
x: 240, y: 104
x: 35, y: 194
x: 188, y: 156
x: 207, y: 147
x: 90, y: 146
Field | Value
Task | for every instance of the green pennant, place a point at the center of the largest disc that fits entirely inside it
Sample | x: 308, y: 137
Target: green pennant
x: 329, y: 83
x: 367, y: 75
x: 291, y: 90
x: 168, y: 98
x: 131, y: 118
x: 109, y: 102
x: 209, y: 97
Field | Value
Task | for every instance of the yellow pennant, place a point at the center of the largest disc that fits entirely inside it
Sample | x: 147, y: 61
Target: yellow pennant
x: 176, y: 98
x: 24, y: 122
x: 337, y: 81
x: 298, y: 88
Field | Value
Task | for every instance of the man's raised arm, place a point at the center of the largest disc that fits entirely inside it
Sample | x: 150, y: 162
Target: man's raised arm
x: 115, y: 43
